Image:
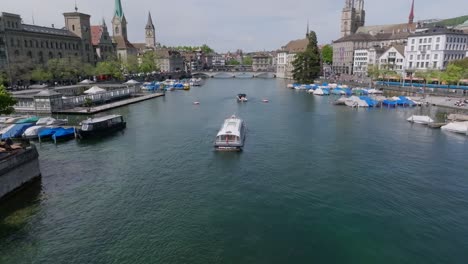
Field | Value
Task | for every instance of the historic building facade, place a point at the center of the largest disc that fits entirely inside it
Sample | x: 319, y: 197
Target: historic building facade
x: 434, y: 48
x: 102, y: 42
x: 35, y: 45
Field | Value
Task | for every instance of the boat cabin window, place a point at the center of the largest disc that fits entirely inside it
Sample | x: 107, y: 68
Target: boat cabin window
x: 87, y: 127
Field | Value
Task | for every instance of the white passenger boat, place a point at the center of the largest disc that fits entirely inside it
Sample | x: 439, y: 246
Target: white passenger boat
x: 420, y: 119
x: 231, y: 136
x: 196, y: 81
x: 456, y: 127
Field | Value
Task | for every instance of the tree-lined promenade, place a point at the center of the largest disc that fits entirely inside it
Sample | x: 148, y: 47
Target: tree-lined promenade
x: 456, y: 72
x: 71, y: 70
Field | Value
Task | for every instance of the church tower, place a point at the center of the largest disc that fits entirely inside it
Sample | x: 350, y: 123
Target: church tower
x: 150, y: 33
x: 352, y: 17
x: 119, y: 30
x: 119, y: 23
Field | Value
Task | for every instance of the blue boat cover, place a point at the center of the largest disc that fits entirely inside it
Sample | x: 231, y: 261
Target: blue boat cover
x: 17, y: 130
x: 63, y: 132
x: 48, y: 132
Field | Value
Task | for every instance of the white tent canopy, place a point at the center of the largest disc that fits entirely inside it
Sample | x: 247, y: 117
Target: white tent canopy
x: 94, y: 90
x: 86, y: 81
x: 131, y: 82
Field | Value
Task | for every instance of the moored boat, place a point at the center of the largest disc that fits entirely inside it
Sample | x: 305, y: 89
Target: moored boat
x: 47, y: 133
x: 63, y: 134
x: 420, y: 119
x: 457, y: 127
x: 231, y: 136
x: 101, y: 126
x: 16, y: 131
x: 33, y: 132
x: 50, y: 121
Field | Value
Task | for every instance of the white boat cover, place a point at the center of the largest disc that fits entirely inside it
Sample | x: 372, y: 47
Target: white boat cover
x: 420, y: 119
x: 457, y: 127
x: 355, y: 101
x: 319, y: 91
x: 33, y: 131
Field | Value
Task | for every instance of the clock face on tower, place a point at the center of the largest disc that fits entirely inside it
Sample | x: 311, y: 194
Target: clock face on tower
x: 148, y: 33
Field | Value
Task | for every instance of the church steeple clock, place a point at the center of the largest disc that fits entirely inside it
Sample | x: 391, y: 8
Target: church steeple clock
x: 150, y: 33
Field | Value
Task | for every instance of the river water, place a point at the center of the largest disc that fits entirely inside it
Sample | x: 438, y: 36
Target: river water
x: 316, y: 183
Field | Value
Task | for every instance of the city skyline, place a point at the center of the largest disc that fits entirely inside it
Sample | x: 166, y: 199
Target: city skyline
x: 263, y: 25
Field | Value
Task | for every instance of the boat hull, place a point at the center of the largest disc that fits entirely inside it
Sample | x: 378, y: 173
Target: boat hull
x: 101, y: 132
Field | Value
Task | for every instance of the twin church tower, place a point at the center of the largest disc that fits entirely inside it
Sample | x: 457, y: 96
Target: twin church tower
x: 353, y: 16
x: 120, y: 37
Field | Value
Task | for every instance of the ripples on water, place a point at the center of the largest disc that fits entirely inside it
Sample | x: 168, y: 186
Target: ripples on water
x: 315, y: 183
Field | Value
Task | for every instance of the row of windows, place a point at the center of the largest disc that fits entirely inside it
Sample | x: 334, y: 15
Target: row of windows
x: 449, y: 39
x: 45, y: 44
x: 437, y: 47
x: 420, y: 65
x: 11, y: 24
x: 40, y: 55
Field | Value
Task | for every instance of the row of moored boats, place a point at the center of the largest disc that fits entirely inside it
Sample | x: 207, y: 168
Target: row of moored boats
x: 458, y: 123
x: 49, y: 128
x: 171, y: 85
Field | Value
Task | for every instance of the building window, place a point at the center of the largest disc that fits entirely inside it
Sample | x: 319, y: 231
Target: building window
x: 427, y: 64
x: 412, y: 41
x: 17, y: 53
x: 73, y: 27
x: 25, y: 43
x: 436, y: 56
x: 430, y: 40
x: 117, y: 30
x: 411, y: 57
x: 437, y: 47
x: 438, y: 39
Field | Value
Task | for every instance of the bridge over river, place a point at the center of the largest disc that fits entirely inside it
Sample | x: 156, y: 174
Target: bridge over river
x: 233, y: 74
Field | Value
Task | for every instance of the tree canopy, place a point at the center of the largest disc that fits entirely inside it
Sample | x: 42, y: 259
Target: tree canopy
x: 204, y: 48
x: 6, y: 101
x: 307, y: 64
x: 247, y: 60
x: 327, y: 54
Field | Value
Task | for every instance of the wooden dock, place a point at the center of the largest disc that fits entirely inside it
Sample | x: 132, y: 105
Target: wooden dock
x: 105, y: 107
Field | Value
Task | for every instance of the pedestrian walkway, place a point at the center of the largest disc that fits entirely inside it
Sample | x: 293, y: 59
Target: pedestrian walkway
x: 105, y: 107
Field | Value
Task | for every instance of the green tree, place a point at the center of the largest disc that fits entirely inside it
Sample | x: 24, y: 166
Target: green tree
x: 461, y: 63
x: 307, y: 64
x: 131, y: 65
x: 373, y: 72
x: 41, y: 74
x: 327, y: 54
x: 148, y: 62
x: 109, y: 68
x: 6, y: 101
x: 206, y: 49
x: 232, y: 62
x: 247, y: 60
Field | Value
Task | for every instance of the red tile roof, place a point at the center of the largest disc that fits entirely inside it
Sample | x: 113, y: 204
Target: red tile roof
x: 96, y: 33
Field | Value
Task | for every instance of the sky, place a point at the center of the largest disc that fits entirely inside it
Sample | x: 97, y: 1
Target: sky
x: 250, y: 25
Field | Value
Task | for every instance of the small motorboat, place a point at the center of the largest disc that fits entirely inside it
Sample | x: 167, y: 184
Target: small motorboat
x: 17, y: 130
x: 265, y: 100
x: 196, y: 103
x: 63, y: 134
x: 33, y: 132
x: 319, y: 92
x: 47, y: 133
x: 242, y: 98
x: 420, y: 119
x: 50, y: 121
x: 101, y: 126
x: 32, y: 119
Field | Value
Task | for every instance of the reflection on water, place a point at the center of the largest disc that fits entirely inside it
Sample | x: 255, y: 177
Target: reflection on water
x: 17, y: 209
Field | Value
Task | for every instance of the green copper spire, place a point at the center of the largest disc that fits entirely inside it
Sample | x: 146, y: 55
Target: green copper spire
x: 118, y: 9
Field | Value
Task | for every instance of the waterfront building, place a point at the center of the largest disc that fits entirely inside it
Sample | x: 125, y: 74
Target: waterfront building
x: 286, y: 56
x: 169, y: 60
x: 261, y: 62
x: 119, y: 34
x: 361, y: 61
x: 434, y: 48
x: 102, y: 42
x: 218, y: 61
x: 34, y: 45
x: 393, y: 59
